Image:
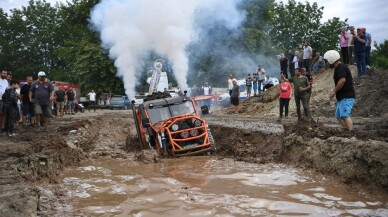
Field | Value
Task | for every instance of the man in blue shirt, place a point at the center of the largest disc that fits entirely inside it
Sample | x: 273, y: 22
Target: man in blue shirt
x: 359, y: 52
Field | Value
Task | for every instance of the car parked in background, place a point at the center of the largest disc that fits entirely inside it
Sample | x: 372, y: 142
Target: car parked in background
x: 120, y: 102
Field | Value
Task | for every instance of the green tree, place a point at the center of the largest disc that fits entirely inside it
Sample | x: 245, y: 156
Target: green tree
x: 380, y: 55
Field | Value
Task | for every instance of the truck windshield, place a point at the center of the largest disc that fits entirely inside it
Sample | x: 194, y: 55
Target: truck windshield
x: 162, y: 113
x: 182, y: 108
x: 158, y: 114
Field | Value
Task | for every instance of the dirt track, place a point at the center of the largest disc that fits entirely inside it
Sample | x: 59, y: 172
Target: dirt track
x: 34, y: 158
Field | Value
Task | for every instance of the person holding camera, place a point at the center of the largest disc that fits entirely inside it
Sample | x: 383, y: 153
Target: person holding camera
x: 359, y: 52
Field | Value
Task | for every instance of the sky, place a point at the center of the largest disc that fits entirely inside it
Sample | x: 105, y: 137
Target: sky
x: 372, y: 14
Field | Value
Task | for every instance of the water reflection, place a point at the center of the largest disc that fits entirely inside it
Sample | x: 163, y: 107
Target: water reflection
x: 203, y: 186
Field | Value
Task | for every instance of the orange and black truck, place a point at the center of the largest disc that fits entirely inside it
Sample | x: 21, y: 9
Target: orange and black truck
x: 172, y: 126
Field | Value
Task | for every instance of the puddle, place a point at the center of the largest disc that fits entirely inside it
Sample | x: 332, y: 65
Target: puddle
x: 204, y: 186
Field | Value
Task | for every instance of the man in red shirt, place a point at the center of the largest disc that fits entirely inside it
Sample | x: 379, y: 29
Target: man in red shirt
x: 285, y: 96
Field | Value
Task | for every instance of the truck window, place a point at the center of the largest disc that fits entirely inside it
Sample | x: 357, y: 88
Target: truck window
x: 182, y: 109
x: 158, y: 114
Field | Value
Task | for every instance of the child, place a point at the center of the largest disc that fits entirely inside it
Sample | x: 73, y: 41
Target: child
x: 285, y: 96
x: 10, y: 101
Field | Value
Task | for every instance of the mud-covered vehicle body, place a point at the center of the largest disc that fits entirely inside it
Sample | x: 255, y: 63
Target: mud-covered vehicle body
x: 172, y: 126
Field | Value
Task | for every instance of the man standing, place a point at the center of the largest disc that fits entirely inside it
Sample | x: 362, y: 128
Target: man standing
x: 343, y: 40
x: 207, y: 91
x: 350, y: 45
x: 92, y: 99
x: 368, y: 43
x: 307, y: 54
x: 70, y: 96
x: 290, y: 63
x: 255, y: 79
x: 3, y: 86
x: 283, y: 64
x: 248, y: 84
x: 27, y: 105
x: 343, y: 91
x: 60, y: 99
x: 42, y: 94
x: 301, y: 85
x: 230, y: 84
x: 261, y: 74
x: 10, y: 100
x: 235, y: 97
x: 359, y: 52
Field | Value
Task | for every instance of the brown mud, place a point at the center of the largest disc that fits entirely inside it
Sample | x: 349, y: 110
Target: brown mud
x: 33, y: 159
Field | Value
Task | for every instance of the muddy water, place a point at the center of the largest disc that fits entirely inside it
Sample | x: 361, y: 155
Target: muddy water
x: 204, y: 186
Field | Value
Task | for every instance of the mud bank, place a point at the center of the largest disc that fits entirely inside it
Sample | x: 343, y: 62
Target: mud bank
x: 361, y: 157
x: 35, y: 157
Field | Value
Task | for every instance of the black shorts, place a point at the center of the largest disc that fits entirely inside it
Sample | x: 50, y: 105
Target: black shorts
x: 234, y: 100
x: 28, y: 108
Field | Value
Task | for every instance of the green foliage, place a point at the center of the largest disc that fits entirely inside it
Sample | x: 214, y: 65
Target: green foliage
x: 295, y: 22
x: 380, y: 55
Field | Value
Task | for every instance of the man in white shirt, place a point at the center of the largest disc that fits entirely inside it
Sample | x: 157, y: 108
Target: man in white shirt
x: 3, y: 85
x: 92, y: 100
x: 307, y: 54
x: 206, y: 91
x: 230, y: 84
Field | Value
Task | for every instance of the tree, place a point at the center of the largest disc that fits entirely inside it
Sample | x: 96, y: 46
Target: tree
x: 295, y: 22
x: 380, y: 55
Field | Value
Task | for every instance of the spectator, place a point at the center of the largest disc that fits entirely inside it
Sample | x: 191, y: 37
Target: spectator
x: 311, y: 81
x: 343, y: 91
x: 3, y: 86
x: 283, y: 64
x: 300, y: 57
x: 42, y: 94
x: 295, y: 61
x: 343, y: 40
x: 255, y: 80
x: 10, y: 99
x: 359, y: 52
x: 92, y: 99
x: 206, y: 89
x: 261, y: 75
x: 301, y: 85
x: 368, y: 43
x: 60, y: 101
x: 70, y: 96
x: 235, y: 97
x: 230, y: 84
x: 27, y: 106
x: 350, y: 45
x: 291, y: 63
x: 269, y: 83
x: 307, y: 54
x: 284, y: 99
x: 248, y: 84
x: 318, y: 63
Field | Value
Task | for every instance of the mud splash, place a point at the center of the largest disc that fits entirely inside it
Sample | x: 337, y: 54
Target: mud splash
x: 203, y: 186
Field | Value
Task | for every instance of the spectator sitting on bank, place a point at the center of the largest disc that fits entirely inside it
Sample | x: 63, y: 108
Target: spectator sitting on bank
x: 269, y: 83
x: 318, y: 63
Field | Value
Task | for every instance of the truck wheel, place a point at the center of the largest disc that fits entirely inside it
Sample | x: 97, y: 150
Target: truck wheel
x: 212, y: 144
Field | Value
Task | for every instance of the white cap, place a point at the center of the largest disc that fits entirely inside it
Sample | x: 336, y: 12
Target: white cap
x: 41, y: 74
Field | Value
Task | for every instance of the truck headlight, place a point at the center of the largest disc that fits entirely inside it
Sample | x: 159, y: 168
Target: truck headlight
x: 185, y: 134
x: 175, y: 127
x: 194, y: 132
x: 197, y: 123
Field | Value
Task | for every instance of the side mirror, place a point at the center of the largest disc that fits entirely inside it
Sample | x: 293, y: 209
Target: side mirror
x: 145, y: 122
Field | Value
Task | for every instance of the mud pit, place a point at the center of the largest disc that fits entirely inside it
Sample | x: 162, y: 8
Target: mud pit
x: 32, y: 162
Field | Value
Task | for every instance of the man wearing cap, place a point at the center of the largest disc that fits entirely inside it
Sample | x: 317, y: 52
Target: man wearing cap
x: 42, y: 94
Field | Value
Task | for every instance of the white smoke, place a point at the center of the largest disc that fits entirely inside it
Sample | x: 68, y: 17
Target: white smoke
x: 129, y: 28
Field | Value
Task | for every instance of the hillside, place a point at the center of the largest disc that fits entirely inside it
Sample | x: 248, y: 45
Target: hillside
x: 371, y: 96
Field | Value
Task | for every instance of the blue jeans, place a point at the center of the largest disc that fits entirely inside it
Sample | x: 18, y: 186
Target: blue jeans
x: 361, y: 65
x: 317, y: 67
x: 259, y: 86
